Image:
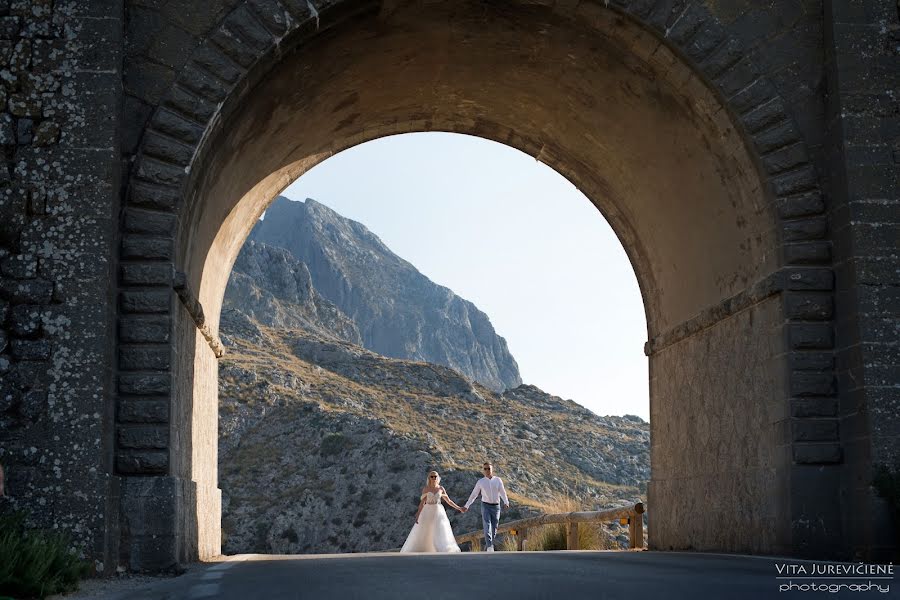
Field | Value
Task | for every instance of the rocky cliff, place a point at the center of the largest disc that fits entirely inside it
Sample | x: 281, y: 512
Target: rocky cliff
x: 324, y: 445
x: 399, y: 312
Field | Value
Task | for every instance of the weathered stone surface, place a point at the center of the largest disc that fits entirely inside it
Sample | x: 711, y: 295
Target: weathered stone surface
x: 145, y: 329
x: 144, y: 358
x: 817, y: 453
x: 809, y: 306
x: 29, y: 349
x: 149, y: 222
x: 31, y: 291
x: 47, y: 133
x: 145, y: 385
x: 147, y: 301
x: 811, y: 335
x: 142, y: 274
x: 142, y: 463
x: 143, y: 411
x: 135, y: 437
x: 814, y: 430
x: 808, y: 383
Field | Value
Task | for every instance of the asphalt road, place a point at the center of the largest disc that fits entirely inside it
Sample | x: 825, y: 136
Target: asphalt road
x: 497, y: 576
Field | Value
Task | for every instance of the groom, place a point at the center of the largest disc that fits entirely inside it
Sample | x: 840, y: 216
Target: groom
x: 492, y: 491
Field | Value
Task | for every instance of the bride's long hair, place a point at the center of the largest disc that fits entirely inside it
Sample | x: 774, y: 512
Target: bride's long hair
x: 437, y: 480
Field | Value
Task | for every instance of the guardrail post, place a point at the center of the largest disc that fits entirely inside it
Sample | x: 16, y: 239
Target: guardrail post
x: 632, y: 533
x: 520, y: 539
x: 638, y: 540
x: 572, y: 536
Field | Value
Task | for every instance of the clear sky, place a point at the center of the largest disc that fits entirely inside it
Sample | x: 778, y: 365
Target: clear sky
x: 518, y: 240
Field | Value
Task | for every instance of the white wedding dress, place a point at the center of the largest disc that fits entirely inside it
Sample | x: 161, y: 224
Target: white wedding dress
x: 433, y: 532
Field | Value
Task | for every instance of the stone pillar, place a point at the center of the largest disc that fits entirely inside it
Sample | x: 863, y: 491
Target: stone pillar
x: 60, y: 176
x: 864, y: 161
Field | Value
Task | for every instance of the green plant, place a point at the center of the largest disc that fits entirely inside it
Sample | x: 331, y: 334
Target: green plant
x: 36, y: 563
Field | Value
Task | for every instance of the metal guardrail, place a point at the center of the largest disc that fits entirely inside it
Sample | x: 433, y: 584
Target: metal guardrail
x: 519, y: 529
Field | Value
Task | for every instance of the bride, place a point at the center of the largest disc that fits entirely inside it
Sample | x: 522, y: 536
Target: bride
x: 432, y: 531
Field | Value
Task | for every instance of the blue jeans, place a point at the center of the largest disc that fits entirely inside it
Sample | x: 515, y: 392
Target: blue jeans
x: 490, y: 515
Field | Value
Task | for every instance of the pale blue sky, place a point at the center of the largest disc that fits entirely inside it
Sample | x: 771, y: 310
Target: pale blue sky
x: 514, y: 237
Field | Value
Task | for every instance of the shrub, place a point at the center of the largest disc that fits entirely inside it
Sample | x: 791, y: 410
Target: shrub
x: 554, y: 537
x: 36, y: 563
x: 334, y: 443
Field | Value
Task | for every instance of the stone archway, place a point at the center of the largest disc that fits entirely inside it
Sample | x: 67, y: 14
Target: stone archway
x: 648, y: 107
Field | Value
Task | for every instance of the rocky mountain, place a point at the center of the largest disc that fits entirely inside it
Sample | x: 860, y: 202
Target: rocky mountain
x: 399, y: 312
x: 324, y: 445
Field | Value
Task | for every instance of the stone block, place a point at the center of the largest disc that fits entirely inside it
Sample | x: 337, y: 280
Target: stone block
x: 30, y: 291
x: 812, y: 383
x: 142, y: 462
x: 808, y: 278
x: 691, y: 23
x: 48, y: 56
x: 147, y: 247
x: 145, y: 385
x: 146, y: 274
x: 809, y: 360
x: 167, y: 149
x: 806, y: 336
x: 157, y: 171
x: 145, y: 358
x: 33, y: 404
x: 25, y: 320
x: 778, y: 136
x: 152, y: 195
x: 736, y: 77
x: 808, y: 306
x: 758, y: 93
x: 817, y: 454
x: 24, y: 105
x: 219, y: 64
x: 800, y: 205
x: 7, y: 130
x: 19, y: 266
x: 46, y: 134
x: 725, y: 55
x: 30, y: 349
x: 143, y: 411
x: 272, y: 15
x: 145, y: 329
x: 814, y: 430
x: 191, y: 104
x: 145, y: 301
x: 9, y: 28
x: 244, y: 26
x: 764, y: 116
x: 814, y: 407
x: 194, y: 78
x: 177, y: 126
x: 807, y: 253
x: 143, y: 437
x: 794, y: 182
x: 149, y: 222
x: 786, y: 158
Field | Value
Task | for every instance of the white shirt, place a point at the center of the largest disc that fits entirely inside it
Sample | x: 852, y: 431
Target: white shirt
x: 492, y: 491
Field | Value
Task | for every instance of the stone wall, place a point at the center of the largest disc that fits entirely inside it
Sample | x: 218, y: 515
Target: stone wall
x: 863, y: 73
x: 718, y: 453
x: 60, y: 178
